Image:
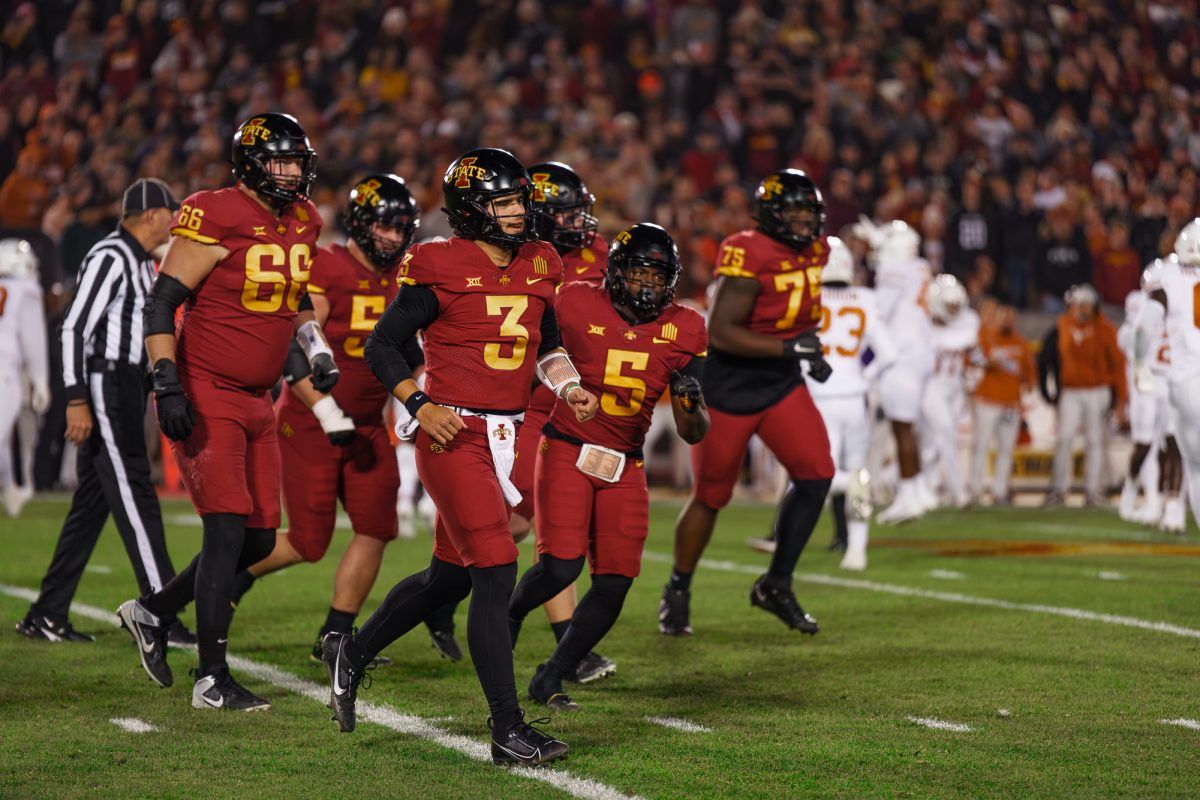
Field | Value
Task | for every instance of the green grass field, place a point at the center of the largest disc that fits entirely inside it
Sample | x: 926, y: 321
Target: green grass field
x: 1057, y: 704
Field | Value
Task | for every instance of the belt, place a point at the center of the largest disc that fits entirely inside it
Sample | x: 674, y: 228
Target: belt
x: 551, y: 432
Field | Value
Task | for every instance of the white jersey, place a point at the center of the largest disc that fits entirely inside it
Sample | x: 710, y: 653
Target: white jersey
x: 952, y: 344
x: 23, y: 328
x: 1160, y: 354
x: 900, y: 289
x: 851, y: 323
x: 1182, y: 287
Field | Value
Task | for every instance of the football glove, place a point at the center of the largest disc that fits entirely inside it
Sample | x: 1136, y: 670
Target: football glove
x: 176, y: 416
x: 324, y: 373
x: 806, y: 346
x: 686, y: 389
x: 819, y: 369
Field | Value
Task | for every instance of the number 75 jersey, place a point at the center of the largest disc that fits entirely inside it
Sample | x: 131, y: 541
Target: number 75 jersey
x: 238, y: 323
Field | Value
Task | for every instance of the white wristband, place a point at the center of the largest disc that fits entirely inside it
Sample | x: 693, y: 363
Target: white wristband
x: 331, y: 416
x: 557, y: 373
x: 312, y: 340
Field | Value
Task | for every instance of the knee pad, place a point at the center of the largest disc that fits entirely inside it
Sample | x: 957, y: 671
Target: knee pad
x: 230, y: 526
x: 561, y: 571
x: 258, y: 544
x: 451, y: 581
x: 612, y: 588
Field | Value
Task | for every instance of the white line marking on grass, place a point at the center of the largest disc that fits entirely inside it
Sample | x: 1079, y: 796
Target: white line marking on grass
x: 678, y: 724
x: 1182, y: 723
x: 947, y: 575
x: 1110, y: 576
x: 941, y: 724
x: 133, y: 724
x: 379, y: 714
x: 99, y: 569
x: 951, y: 597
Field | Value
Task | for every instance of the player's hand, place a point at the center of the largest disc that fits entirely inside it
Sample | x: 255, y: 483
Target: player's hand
x: 806, y: 346
x: 819, y: 370
x: 39, y: 398
x: 685, y: 389
x: 79, y: 422
x: 324, y: 373
x: 441, y: 423
x: 337, y: 426
x: 583, y: 403
x: 1143, y: 379
x: 176, y: 416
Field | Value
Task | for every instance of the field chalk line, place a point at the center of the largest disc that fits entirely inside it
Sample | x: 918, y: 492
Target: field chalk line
x: 1182, y: 723
x: 133, y: 724
x: 678, y: 724
x: 941, y: 724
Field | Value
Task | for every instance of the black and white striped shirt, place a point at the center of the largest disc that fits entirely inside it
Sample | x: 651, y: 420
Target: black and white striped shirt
x: 105, y: 318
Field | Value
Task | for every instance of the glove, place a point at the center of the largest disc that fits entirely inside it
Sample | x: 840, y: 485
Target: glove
x: 39, y: 398
x: 176, y: 416
x: 687, y: 390
x: 337, y: 426
x: 806, y: 346
x: 819, y: 369
x: 1143, y: 379
x: 324, y: 373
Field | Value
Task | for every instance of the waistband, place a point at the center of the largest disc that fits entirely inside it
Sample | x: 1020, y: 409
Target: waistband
x: 551, y: 432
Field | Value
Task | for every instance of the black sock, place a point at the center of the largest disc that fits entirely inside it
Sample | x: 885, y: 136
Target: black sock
x: 680, y: 581
x: 837, y: 502
x: 409, y: 603
x: 241, y: 584
x: 797, y: 517
x: 595, y: 616
x: 490, y: 643
x: 560, y: 629
x: 338, y: 621
x: 224, y: 535
x: 168, y: 601
x: 541, y: 583
x: 441, y: 620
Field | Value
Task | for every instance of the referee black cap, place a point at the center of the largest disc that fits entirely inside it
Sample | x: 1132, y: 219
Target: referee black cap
x: 145, y: 194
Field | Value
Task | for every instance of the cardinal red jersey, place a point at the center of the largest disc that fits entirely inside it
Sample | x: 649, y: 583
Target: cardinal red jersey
x: 481, y: 351
x: 238, y: 323
x: 586, y: 263
x: 357, y: 296
x: 788, y: 303
x: 627, y: 366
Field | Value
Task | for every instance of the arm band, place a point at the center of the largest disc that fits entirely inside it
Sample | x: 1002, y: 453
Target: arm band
x: 415, y: 401
x: 296, y: 368
x: 413, y: 309
x: 305, y: 303
x: 557, y: 372
x: 168, y: 294
x: 312, y: 339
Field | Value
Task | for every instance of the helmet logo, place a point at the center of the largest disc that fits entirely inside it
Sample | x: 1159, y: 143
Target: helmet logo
x: 771, y: 187
x: 623, y: 237
x: 367, y: 192
x: 465, y: 171
x: 254, y: 129
x: 543, y: 187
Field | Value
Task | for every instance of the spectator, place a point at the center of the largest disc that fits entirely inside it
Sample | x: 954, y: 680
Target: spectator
x: 1019, y: 222
x: 1008, y: 369
x: 1118, y: 269
x: 1062, y: 259
x: 971, y: 232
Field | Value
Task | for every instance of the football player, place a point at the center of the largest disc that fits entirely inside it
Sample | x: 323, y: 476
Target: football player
x: 630, y: 344
x: 850, y: 324
x: 762, y: 324
x: 484, y: 299
x: 335, y: 446
x: 239, y: 258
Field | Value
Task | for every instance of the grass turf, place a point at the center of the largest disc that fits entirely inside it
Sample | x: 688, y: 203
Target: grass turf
x: 791, y: 716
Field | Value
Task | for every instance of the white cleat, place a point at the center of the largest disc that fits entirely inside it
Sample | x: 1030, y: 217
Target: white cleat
x: 927, y: 498
x: 855, y: 561
x: 899, y: 512
x: 1149, y: 513
x: 15, y: 498
x: 1174, y: 517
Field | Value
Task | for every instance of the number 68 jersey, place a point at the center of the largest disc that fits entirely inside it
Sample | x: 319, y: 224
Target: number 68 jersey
x: 238, y: 323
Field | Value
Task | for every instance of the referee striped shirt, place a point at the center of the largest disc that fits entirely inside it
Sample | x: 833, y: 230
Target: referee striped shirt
x: 105, y: 317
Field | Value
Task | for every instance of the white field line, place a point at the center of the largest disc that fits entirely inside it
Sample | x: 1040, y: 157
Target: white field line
x: 1182, y: 723
x: 133, y: 724
x: 951, y: 597
x: 947, y: 575
x: 941, y: 724
x: 99, y: 569
x: 678, y: 724
x: 379, y: 714
x: 1110, y: 576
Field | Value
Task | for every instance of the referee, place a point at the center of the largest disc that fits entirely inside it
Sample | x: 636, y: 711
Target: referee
x: 104, y: 371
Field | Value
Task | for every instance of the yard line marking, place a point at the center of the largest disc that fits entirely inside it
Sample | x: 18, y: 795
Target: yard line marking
x: 941, y: 724
x: 133, y: 724
x: 1182, y: 723
x: 947, y: 575
x: 99, y: 569
x: 950, y: 597
x: 1110, y: 576
x: 386, y: 716
x: 678, y: 724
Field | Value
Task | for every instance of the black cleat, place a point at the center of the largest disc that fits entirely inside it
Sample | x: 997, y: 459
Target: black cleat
x: 220, y: 690
x: 39, y: 626
x: 151, y: 639
x: 446, y: 644
x: 781, y: 601
x: 549, y: 693
x: 179, y: 635
x: 593, y: 667
x: 526, y: 745
x: 673, y: 613
x: 317, y: 654
x: 343, y: 680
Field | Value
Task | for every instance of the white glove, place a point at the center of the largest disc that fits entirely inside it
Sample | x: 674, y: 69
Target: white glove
x: 1143, y: 379
x: 39, y: 398
x: 337, y: 426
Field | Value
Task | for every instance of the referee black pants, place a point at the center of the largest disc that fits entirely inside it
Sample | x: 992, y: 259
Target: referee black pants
x: 114, y: 478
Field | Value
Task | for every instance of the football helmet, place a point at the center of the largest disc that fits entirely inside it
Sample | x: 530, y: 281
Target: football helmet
x: 558, y: 191
x: 17, y: 259
x: 897, y: 242
x: 1187, y: 244
x: 381, y: 199
x: 784, y: 190
x: 643, y: 245
x: 840, y: 267
x: 264, y: 138
x: 945, y: 297
x: 472, y: 182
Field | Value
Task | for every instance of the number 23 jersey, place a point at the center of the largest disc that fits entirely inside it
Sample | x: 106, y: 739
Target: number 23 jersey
x: 238, y: 323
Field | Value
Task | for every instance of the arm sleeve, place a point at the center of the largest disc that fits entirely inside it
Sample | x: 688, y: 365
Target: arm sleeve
x: 32, y: 333
x: 1047, y: 363
x: 414, y: 308
x: 551, y: 338
x: 100, y: 276
x: 694, y: 368
x: 296, y: 367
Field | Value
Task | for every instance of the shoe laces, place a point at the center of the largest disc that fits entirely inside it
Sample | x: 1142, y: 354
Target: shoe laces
x: 537, y: 737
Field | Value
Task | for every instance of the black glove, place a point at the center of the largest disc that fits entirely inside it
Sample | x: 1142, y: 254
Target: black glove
x: 819, y: 369
x: 342, y: 438
x: 324, y: 373
x: 176, y: 416
x: 806, y: 346
x: 686, y: 389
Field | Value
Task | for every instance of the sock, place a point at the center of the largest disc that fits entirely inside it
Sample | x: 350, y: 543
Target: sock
x: 595, y: 616
x: 441, y: 619
x: 224, y: 535
x: 338, y: 621
x: 856, y: 541
x: 837, y: 503
x: 241, y: 584
x: 560, y: 629
x: 541, y: 583
x: 798, y: 516
x: 680, y: 581
x: 410, y: 602
x: 489, y: 642
x: 168, y: 601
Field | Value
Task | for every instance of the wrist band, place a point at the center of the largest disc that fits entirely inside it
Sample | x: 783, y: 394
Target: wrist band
x: 415, y: 401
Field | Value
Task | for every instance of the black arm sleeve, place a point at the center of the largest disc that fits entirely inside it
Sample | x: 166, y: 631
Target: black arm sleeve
x: 296, y: 368
x: 305, y: 303
x: 395, y: 334
x: 551, y: 338
x: 695, y: 368
x: 1047, y: 362
x: 168, y: 294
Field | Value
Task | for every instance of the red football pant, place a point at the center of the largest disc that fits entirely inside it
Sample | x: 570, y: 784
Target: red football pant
x: 579, y: 515
x: 230, y: 463
x: 792, y: 430
x: 317, y: 474
x: 472, y: 519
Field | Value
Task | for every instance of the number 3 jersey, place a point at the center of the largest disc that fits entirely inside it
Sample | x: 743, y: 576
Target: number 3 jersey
x: 788, y: 304
x: 238, y: 323
x: 627, y: 366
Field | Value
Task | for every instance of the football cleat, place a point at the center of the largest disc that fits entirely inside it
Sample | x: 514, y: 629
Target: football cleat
x: 179, y: 635
x: 1174, y: 516
x: 445, y: 643
x: 150, y: 636
x: 901, y: 511
x: 854, y: 560
x: 673, y: 612
x: 343, y: 679
x: 317, y: 654
x: 781, y: 601
x: 524, y: 744
x: 15, y: 498
x: 1127, y: 506
x: 1054, y: 499
x: 763, y: 544
x: 550, y: 693
x: 39, y: 626
x: 220, y: 690
x: 593, y: 667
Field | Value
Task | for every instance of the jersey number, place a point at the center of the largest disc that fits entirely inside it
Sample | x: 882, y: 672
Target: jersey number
x: 511, y: 307
x: 614, y: 376
x: 793, y: 283
x: 856, y: 333
x: 298, y: 260
x: 3, y: 299
x: 364, y: 314
x: 1196, y: 305
x: 190, y: 217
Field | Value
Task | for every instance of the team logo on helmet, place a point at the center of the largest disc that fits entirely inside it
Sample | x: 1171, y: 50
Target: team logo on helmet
x: 543, y: 187
x: 465, y: 171
x: 772, y: 187
x: 255, y: 130
x: 367, y: 193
